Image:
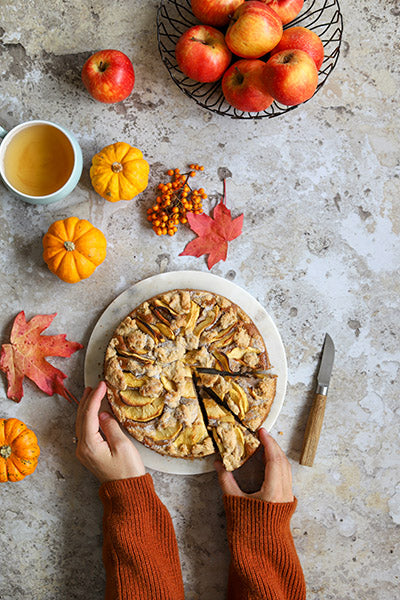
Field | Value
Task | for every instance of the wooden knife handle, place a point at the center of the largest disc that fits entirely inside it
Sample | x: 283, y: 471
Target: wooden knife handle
x: 313, y: 430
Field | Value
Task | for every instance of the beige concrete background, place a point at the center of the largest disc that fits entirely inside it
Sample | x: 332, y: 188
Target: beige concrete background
x: 319, y: 189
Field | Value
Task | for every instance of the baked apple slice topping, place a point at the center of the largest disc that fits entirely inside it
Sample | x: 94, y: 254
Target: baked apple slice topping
x: 216, y: 413
x: 123, y: 349
x: 207, y: 322
x: 164, y: 435
x: 237, y: 400
x: 186, y: 388
x: 223, y: 338
x: 163, y: 314
x: 133, y: 382
x: 143, y: 413
x: 165, y: 306
x: 193, y: 316
x: 222, y: 360
x: 164, y: 330
x: 134, y: 398
x: 146, y: 360
x: 238, y: 353
x: 192, y: 435
x: 154, y: 333
x: 168, y: 384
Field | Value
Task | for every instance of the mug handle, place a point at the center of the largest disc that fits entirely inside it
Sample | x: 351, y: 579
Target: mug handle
x: 3, y: 132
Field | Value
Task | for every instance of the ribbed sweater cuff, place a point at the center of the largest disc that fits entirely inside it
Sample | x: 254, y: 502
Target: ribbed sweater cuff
x: 258, y: 516
x: 129, y: 496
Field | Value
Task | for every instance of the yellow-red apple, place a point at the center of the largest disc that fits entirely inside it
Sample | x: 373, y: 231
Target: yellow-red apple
x: 214, y: 12
x: 290, y: 76
x: 254, y: 30
x: 302, y: 39
x: 243, y: 88
x: 202, y: 54
x: 287, y: 10
x: 108, y: 76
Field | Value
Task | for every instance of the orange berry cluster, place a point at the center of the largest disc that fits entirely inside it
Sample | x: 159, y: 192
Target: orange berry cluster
x: 176, y: 198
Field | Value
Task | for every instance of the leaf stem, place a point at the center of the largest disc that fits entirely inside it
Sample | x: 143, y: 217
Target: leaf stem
x: 70, y: 397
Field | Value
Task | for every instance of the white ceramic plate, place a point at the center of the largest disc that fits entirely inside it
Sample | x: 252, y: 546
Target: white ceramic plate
x: 138, y: 293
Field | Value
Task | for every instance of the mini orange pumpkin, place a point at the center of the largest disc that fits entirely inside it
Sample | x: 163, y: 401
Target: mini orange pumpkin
x: 119, y: 172
x: 73, y: 248
x: 19, y: 450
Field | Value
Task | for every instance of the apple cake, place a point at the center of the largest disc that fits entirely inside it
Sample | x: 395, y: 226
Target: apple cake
x: 186, y: 375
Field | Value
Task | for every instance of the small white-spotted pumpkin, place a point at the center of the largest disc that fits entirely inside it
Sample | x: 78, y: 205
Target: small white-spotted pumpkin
x: 119, y: 172
x: 19, y: 450
x: 73, y: 248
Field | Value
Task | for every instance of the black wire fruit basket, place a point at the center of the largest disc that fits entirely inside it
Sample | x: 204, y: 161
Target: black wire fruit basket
x: 174, y: 17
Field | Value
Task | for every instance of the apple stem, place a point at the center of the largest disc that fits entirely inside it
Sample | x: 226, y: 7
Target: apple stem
x: 193, y: 39
x: 287, y: 58
x: 239, y: 76
x: 102, y: 66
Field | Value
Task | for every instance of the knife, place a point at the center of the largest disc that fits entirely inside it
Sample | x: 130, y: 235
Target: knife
x: 316, y: 416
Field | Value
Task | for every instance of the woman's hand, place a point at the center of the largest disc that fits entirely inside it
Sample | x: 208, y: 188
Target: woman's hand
x: 277, y: 484
x: 108, y: 459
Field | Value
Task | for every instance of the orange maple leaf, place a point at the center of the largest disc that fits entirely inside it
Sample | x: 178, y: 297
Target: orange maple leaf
x: 25, y: 356
x: 214, y: 233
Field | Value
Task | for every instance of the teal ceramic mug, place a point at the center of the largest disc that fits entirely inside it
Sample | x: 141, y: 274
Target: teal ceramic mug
x: 40, y: 162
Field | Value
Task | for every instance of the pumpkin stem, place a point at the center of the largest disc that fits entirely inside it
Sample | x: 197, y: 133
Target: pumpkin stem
x: 116, y: 167
x: 69, y: 246
x: 5, y: 451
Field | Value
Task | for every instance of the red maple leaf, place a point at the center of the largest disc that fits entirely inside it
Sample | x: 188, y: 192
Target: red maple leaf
x: 213, y: 233
x: 25, y: 356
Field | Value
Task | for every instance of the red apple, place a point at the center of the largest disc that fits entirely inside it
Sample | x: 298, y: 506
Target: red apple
x: 291, y: 77
x: 243, y: 88
x: 287, y: 10
x: 302, y: 39
x: 214, y: 12
x: 202, y: 54
x: 254, y: 30
x: 108, y: 76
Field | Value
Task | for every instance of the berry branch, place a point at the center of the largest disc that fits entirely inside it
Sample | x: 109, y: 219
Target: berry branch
x: 175, y: 200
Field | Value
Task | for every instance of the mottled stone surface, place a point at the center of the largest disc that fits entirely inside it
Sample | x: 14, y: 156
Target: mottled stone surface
x: 319, y: 189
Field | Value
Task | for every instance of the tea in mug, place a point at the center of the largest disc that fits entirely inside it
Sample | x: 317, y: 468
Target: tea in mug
x: 38, y: 160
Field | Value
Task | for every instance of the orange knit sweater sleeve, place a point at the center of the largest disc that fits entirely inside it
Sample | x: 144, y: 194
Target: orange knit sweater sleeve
x: 140, y: 552
x: 264, y: 563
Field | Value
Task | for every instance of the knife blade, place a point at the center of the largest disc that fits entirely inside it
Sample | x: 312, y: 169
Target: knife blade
x: 212, y: 371
x: 316, y: 416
